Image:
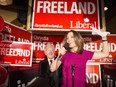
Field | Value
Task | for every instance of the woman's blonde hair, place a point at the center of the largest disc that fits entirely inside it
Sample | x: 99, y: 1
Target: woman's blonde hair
x: 78, y: 40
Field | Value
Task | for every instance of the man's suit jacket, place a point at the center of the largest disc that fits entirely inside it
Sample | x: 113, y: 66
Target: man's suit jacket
x: 53, y: 78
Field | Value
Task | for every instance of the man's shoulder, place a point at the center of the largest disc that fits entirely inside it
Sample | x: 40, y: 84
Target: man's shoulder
x: 43, y: 61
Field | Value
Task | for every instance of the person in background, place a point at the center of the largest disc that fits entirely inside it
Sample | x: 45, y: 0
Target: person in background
x: 46, y: 77
x: 75, y: 58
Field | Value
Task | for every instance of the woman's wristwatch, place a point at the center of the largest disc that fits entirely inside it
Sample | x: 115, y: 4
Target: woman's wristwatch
x: 104, y: 40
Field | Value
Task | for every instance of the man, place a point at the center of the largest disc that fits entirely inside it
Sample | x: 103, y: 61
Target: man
x: 46, y: 77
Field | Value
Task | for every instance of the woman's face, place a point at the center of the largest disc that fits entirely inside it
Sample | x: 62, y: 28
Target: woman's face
x: 70, y: 40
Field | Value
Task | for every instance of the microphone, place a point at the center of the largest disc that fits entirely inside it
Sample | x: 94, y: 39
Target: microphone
x: 66, y: 46
x: 73, y: 67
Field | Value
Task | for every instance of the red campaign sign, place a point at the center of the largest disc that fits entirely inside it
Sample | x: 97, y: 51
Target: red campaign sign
x: 14, y: 33
x: 63, y: 15
x: 93, y: 75
x: 92, y: 43
x: 39, y: 42
x: 16, y: 53
x: 1, y: 23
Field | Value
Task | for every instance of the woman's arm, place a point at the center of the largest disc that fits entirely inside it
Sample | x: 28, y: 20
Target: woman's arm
x: 55, y: 65
x: 105, y: 50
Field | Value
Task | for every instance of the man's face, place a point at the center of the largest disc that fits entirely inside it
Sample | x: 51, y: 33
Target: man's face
x: 49, y: 51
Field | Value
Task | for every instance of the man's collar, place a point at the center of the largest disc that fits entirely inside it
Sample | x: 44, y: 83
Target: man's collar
x: 50, y: 59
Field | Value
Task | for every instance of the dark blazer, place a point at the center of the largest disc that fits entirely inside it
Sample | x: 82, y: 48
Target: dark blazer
x: 46, y: 77
x: 54, y: 79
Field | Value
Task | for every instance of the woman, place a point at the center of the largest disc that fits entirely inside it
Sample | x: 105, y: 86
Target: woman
x: 76, y: 58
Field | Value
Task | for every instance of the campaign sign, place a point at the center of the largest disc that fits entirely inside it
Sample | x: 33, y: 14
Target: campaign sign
x: 1, y: 23
x: 39, y: 42
x: 94, y: 43
x: 91, y: 43
x: 93, y: 75
x: 16, y: 53
x: 11, y: 32
x: 63, y: 15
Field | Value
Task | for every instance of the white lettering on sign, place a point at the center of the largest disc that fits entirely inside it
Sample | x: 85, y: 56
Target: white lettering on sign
x: 7, y: 29
x: 94, y: 46
x: 112, y: 47
x: 85, y: 25
x: 109, y: 59
x: 58, y: 46
x: 22, y: 61
x: 40, y: 38
x: 88, y: 46
x: 23, y: 40
x: 92, y: 78
x: 87, y: 39
x: 62, y: 7
x: 49, y: 25
x: 8, y: 37
x: 14, y: 52
x: 41, y: 45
